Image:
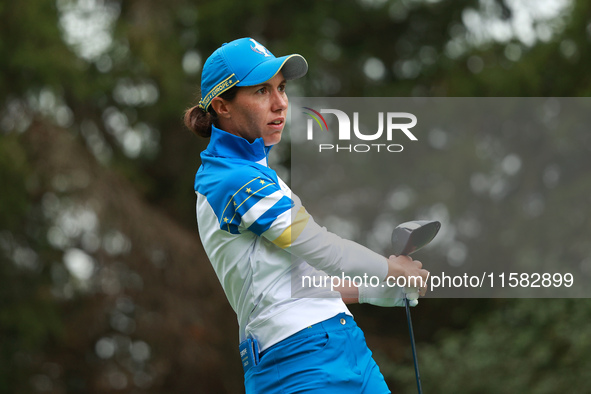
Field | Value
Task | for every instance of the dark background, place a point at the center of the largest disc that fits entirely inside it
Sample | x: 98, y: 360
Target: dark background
x: 104, y: 286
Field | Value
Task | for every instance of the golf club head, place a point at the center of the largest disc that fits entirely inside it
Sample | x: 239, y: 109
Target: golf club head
x: 411, y: 236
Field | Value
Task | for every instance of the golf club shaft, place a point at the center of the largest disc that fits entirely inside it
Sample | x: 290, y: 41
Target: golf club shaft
x: 407, y: 238
x: 412, y: 343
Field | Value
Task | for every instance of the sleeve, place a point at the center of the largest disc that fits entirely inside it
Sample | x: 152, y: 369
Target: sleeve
x: 261, y: 206
x: 326, y: 251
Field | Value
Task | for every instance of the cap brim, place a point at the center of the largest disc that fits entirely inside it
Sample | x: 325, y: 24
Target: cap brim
x: 292, y: 67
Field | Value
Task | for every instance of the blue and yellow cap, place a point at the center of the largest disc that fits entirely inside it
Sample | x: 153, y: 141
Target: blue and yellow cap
x: 245, y: 62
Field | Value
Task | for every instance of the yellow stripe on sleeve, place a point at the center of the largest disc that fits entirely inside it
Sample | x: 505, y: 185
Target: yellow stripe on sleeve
x: 293, y: 231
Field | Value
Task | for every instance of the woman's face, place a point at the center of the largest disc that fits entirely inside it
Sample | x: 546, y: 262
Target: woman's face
x: 257, y: 111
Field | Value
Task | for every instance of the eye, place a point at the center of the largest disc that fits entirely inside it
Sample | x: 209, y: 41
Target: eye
x: 262, y: 90
x: 281, y: 88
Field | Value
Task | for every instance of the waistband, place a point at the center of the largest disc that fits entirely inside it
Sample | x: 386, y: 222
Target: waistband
x: 341, y: 321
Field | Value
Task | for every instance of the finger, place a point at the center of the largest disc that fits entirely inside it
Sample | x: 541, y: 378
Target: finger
x: 425, y: 275
x: 402, y: 256
x: 426, y: 279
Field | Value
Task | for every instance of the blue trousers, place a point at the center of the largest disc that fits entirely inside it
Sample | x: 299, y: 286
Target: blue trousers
x: 326, y: 358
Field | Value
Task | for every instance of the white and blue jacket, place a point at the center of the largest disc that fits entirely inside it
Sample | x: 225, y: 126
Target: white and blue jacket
x: 261, y: 242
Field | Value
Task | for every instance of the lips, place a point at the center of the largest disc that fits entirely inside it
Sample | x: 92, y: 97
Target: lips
x: 277, y: 122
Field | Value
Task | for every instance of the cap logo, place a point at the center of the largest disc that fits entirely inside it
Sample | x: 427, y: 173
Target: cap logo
x: 258, y: 48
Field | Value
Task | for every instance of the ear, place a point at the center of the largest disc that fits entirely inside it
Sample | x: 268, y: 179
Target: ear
x: 221, y: 107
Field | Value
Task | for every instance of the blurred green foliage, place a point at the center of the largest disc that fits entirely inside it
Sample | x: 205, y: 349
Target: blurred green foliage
x: 29, y: 316
x: 521, y: 346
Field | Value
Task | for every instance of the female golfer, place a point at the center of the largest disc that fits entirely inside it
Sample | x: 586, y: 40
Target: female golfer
x: 261, y: 241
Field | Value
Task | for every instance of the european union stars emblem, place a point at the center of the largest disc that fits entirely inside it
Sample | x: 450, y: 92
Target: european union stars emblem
x: 248, y: 190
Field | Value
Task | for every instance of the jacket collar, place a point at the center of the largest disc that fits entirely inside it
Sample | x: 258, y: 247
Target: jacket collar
x: 224, y: 144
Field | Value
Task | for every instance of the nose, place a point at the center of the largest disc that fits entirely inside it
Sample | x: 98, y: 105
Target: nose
x: 279, y: 101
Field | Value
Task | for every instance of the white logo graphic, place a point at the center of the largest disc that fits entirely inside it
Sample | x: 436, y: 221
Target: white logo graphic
x: 258, y: 48
x: 345, y: 126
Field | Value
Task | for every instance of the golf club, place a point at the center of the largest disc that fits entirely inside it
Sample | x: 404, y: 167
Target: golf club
x: 408, y: 238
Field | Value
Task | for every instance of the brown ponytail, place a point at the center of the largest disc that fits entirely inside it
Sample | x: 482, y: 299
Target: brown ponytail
x: 199, y: 121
